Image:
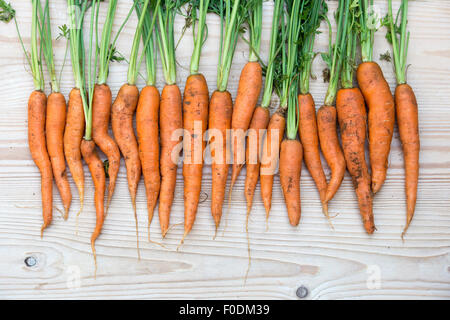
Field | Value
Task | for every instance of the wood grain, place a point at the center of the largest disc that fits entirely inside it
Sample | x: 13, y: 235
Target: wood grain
x: 339, y: 264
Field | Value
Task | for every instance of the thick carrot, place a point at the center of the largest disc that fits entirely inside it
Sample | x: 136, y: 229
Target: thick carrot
x: 54, y: 127
x: 170, y: 120
x: 408, y: 128
x: 307, y: 129
x: 331, y: 149
x: 381, y: 108
x: 147, y: 118
x: 260, y: 120
x: 291, y: 155
x: 269, y: 157
x: 73, y: 134
x: 123, y: 110
x: 352, y: 117
x: 98, y: 176
x: 195, y: 122
x: 220, y: 113
x: 101, y: 114
x: 250, y: 83
x: 36, y: 141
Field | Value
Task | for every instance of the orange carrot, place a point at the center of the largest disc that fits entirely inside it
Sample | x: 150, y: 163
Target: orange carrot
x: 260, y: 120
x: 307, y: 129
x: 123, y: 110
x: 147, y: 117
x: 36, y: 141
x: 170, y: 120
x: 73, y: 134
x: 291, y: 156
x: 269, y: 157
x: 195, y: 117
x: 101, y: 114
x: 381, y: 108
x: 54, y: 127
x: 352, y: 116
x: 98, y: 176
x: 249, y: 88
x: 220, y: 113
x: 331, y: 149
x: 408, y: 128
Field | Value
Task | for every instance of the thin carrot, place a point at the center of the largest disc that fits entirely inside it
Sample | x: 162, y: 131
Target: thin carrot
x: 378, y: 97
x: 170, y: 116
x: 407, y: 110
x: 195, y: 121
x: 56, y: 113
x: 220, y: 108
x: 123, y: 110
x: 326, y: 115
x: 55, y: 123
x: 36, y: 141
x: 352, y: 117
x: 270, y: 156
x: 102, y: 98
x: 75, y: 121
x: 261, y: 116
x: 220, y: 111
x: 37, y: 104
x: 307, y: 126
x: 249, y: 88
x: 147, y: 121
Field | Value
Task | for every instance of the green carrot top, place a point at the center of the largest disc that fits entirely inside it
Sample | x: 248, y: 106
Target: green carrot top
x: 349, y: 50
x: 336, y: 55
x: 255, y: 28
x: 201, y: 34
x: 273, y: 53
x: 369, y: 22
x: 399, y: 38
x: 313, y: 16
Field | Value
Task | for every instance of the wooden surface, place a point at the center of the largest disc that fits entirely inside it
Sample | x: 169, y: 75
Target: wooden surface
x: 342, y: 264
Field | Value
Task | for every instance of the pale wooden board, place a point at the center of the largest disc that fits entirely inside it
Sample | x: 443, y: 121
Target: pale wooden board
x: 331, y: 264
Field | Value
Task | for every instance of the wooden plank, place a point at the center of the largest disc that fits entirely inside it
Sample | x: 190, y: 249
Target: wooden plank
x: 339, y: 264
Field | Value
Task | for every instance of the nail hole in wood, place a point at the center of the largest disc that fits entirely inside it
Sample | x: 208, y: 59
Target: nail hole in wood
x: 302, y: 292
x: 30, y: 261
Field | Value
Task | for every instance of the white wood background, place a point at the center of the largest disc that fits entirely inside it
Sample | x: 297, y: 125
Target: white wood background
x: 340, y: 264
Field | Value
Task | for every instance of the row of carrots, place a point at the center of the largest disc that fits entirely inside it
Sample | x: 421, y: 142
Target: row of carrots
x: 293, y: 133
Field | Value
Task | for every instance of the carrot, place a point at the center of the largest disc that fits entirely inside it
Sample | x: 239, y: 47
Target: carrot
x: 73, y: 134
x: 326, y: 115
x: 406, y: 109
x: 232, y: 16
x: 352, y: 117
x: 123, y: 110
x: 147, y: 119
x: 56, y: 113
x: 195, y: 121
x: 170, y: 120
x: 170, y: 116
x: 219, y: 122
x: 37, y: 104
x: 98, y: 176
x: 55, y: 123
x: 260, y: 120
x: 76, y: 113
x: 381, y: 118
x: 195, y: 113
x: 270, y: 156
x: 352, y: 121
x: 249, y: 88
x: 379, y: 100
x: 36, y: 141
x: 101, y: 114
x: 261, y: 116
x: 291, y: 156
x: 147, y: 116
x: 331, y: 149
